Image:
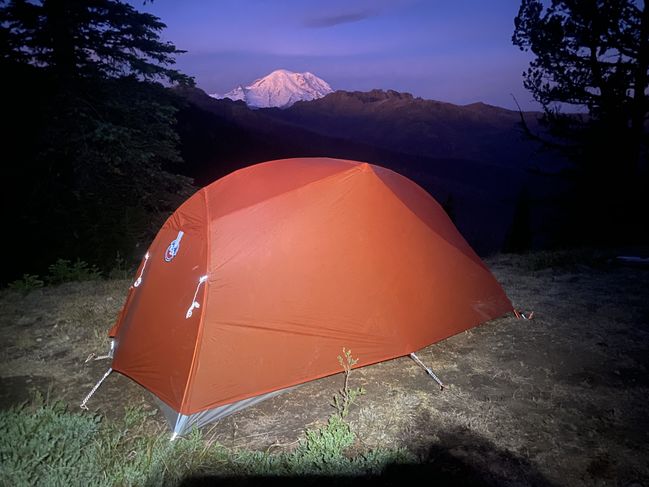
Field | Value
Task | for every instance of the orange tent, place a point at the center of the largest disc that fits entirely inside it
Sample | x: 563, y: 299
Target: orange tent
x: 257, y: 282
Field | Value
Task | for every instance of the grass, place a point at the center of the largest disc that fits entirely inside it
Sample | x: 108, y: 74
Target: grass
x: 46, y: 444
x: 43, y: 443
x: 557, y: 260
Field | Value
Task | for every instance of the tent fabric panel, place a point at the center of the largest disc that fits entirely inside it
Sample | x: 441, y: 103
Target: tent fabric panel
x: 258, y: 183
x: 427, y: 209
x: 270, y: 262
x: 155, y: 342
x: 339, y: 263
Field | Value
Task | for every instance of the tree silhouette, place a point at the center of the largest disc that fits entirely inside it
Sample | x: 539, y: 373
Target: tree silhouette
x: 590, y: 74
x: 91, y: 138
x: 82, y: 38
x: 519, y: 235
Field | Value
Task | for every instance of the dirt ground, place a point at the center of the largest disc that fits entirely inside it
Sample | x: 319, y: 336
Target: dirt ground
x: 557, y: 400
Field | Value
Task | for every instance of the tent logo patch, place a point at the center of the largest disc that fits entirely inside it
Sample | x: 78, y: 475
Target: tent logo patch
x: 173, y: 248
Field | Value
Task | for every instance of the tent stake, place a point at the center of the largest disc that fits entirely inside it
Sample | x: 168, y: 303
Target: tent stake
x: 427, y: 369
x: 93, y: 355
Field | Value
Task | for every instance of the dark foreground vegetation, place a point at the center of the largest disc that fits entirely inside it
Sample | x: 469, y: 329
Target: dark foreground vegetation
x: 90, y: 139
x: 49, y: 444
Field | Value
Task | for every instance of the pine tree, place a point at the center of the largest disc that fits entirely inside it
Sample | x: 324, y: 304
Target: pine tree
x: 519, y: 237
x: 88, y: 38
x: 92, y: 137
x: 590, y: 74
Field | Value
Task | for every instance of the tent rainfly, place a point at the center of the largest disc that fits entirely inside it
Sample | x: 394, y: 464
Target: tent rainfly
x: 256, y: 283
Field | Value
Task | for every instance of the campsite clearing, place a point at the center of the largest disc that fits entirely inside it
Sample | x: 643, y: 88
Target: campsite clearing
x: 560, y: 399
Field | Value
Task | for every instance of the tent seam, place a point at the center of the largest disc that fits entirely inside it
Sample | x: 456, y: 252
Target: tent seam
x: 184, y: 403
x: 483, y: 267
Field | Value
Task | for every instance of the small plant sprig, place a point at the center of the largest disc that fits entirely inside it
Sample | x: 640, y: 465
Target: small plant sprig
x: 120, y: 269
x: 347, y: 395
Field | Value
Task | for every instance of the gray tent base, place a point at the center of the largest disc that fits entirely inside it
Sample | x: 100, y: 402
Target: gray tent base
x: 181, y: 423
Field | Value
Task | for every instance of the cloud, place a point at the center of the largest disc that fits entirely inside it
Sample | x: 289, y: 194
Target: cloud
x: 333, y: 20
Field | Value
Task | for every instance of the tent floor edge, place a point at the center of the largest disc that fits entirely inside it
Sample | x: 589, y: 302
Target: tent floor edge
x: 183, y: 423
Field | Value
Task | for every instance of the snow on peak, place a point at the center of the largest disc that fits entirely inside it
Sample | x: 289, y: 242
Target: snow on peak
x: 281, y: 88
x: 237, y: 94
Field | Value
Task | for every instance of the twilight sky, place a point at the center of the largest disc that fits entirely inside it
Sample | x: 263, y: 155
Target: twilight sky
x: 457, y: 51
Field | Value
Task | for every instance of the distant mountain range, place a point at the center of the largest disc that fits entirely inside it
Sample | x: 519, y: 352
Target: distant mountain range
x: 281, y: 89
x: 474, y: 159
x: 410, y: 125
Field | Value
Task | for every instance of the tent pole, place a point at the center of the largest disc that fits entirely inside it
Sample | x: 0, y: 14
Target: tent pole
x: 428, y: 371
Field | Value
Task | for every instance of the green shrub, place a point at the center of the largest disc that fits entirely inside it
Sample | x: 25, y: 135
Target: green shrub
x: 119, y: 269
x: 323, y: 450
x: 65, y: 271
x: 47, y: 446
x: 29, y: 282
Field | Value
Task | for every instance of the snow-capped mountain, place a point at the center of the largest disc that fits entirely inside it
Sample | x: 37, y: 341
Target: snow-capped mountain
x: 239, y: 93
x: 281, y: 88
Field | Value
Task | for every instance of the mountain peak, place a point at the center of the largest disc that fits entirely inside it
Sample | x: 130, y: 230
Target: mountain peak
x: 281, y: 88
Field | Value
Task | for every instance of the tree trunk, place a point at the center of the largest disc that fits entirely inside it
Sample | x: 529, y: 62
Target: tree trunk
x: 640, y: 102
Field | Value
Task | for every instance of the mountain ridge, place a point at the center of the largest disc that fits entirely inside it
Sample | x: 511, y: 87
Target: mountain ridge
x: 412, y: 125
